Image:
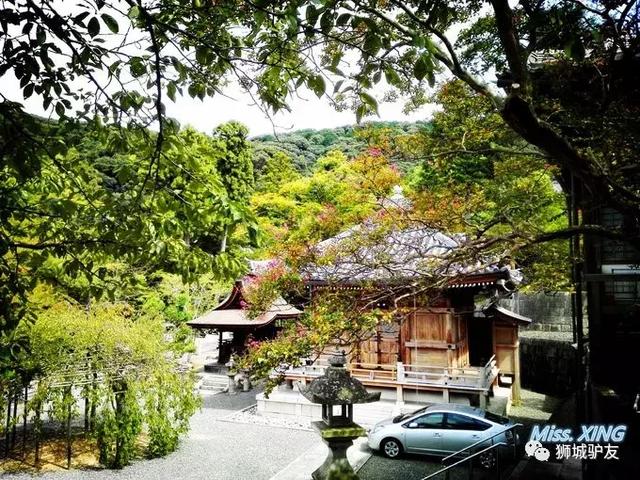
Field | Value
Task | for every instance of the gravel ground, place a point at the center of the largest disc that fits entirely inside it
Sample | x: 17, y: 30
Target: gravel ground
x: 416, y: 467
x: 213, y: 449
x: 250, y: 416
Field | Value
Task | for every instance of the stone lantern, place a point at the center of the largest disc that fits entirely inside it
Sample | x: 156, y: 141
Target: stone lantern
x: 337, y: 391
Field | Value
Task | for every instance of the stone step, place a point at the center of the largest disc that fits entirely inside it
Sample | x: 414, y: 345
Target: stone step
x: 210, y: 388
x: 215, y: 381
x: 212, y: 383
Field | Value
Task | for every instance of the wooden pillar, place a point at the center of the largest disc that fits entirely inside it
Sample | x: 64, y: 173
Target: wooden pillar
x: 517, y: 397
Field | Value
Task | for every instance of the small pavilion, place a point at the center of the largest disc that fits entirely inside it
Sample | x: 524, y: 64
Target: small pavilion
x: 230, y: 316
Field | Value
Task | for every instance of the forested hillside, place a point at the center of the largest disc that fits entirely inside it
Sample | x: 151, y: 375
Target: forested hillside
x: 304, y: 147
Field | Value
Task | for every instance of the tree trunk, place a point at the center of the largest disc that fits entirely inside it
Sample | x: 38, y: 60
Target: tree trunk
x: 24, y: 420
x: 118, y: 461
x: 14, y: 428
x: 36, y: 432
x: 69, y: 404
x: 7, y: 446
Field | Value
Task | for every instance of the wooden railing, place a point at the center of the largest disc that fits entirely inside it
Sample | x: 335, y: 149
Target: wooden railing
x: 474, y: 378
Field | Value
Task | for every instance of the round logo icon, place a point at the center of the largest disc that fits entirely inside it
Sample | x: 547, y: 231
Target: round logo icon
x: 531, y: 447
x: 542, y: 454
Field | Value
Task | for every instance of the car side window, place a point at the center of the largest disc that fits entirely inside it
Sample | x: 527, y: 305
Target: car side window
x: 431, y: 420
x: 456, y: 421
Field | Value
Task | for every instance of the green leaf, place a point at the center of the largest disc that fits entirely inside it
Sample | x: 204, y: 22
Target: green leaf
x: 259, y: 17
x: 369, y: 101
x: 41, y: 35
x: 94, y: 26
x: 137, y: 67
x: 343, y: 19
x: 418, y: 41
x: 110, y: 22
x: 28, y: 90
x: 312, y: 14
x: 421, y: 67
x: 134, y: 12
x: 171, y: 91
x: 317, y: 84
x: 60, y: 109
x: 372, y: 43
x: 204, y: 56
x: 575, y: 49
x: 326, y: 22
x: 392, y: 77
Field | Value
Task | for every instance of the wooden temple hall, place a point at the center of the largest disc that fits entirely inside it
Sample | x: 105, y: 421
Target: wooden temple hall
x: 456, y: 348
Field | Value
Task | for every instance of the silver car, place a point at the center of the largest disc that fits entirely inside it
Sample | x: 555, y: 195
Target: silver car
x: 438, y: 430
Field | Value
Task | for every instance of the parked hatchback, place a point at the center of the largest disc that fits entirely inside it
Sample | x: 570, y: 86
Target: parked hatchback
x: 439, y: 430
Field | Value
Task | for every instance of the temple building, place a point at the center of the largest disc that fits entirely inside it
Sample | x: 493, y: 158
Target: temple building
x: 454, y: 345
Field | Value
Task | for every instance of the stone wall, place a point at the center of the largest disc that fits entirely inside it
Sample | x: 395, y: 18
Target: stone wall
x: 547, y: 366
x: 547, y: 357
x: 550, y: 312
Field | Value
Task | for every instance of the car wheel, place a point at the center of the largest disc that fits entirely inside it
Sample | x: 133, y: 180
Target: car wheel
x: 391, y: 448
x: 487, y: 460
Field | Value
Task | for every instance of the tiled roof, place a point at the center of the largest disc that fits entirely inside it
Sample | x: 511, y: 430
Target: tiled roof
x: 399, y: 255
x: 237, y: 317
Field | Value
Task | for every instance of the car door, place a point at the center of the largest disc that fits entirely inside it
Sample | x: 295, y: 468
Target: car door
x: 424, y: 433
x: 461, y: 430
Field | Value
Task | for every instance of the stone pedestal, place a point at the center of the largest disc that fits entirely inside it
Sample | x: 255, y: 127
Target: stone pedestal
x: 338, y: 439
x: 233, y: 389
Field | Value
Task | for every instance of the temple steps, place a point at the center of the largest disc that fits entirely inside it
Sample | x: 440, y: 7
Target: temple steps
x: 212, y: 383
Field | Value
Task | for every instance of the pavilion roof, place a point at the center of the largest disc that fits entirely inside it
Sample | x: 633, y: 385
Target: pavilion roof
x: 231, y: 313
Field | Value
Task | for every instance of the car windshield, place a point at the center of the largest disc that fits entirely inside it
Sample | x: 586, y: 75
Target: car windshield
x: 496, y: 418
x: 404, y: 416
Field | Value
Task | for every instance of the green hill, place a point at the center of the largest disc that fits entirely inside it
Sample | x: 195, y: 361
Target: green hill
x: 306, y: 146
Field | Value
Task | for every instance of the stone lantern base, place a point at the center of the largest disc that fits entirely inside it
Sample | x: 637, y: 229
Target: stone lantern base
x: 338, y: 439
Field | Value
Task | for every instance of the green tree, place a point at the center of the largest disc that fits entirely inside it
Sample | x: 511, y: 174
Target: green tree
x: 194, y: 46
x: 278, y: 169
x: 87, y: 218
x: 340, y: 193
x: 235, y: 165
x: 116, y: 355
